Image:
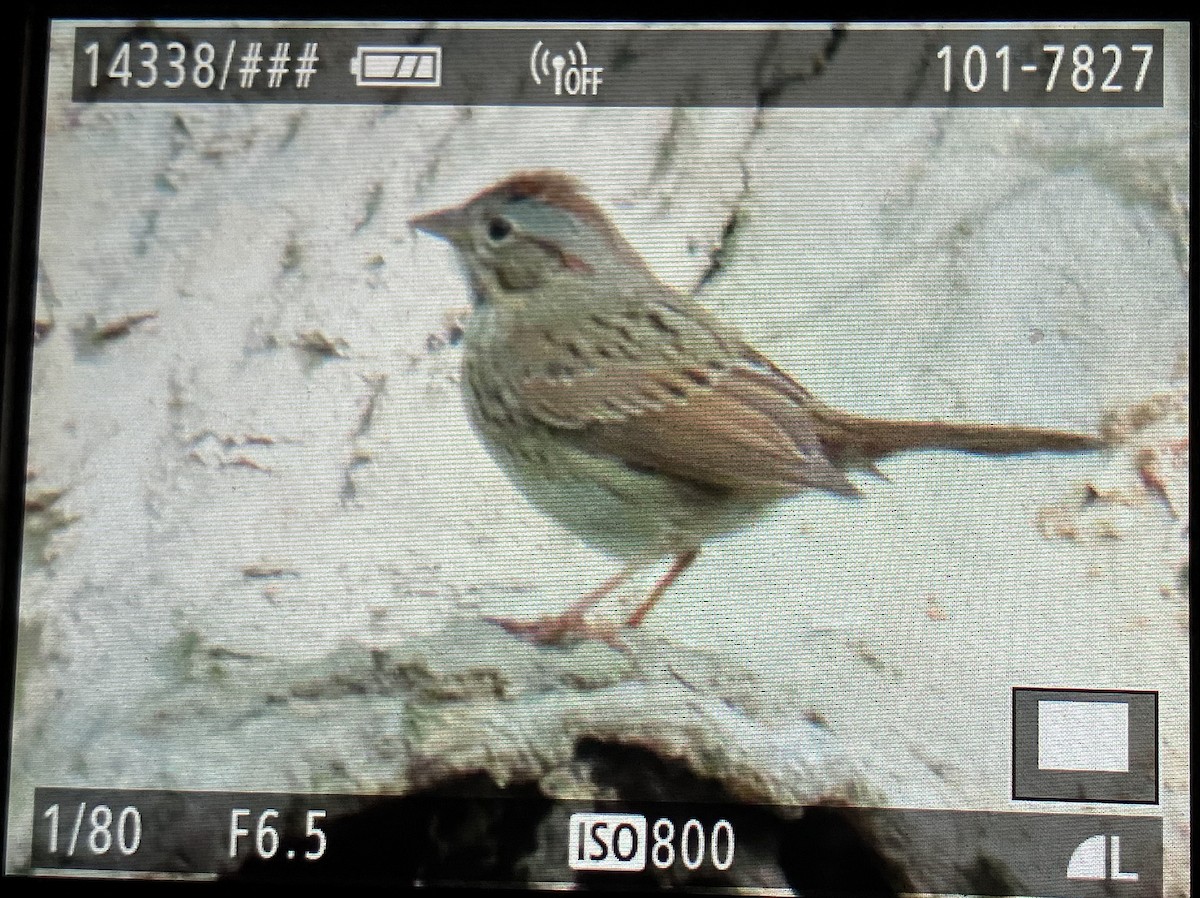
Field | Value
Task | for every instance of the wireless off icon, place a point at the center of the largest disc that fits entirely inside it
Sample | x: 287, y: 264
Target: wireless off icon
x: 571, y: 73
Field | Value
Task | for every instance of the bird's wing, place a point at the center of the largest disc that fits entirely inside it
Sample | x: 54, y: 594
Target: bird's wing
x: 697, y: 405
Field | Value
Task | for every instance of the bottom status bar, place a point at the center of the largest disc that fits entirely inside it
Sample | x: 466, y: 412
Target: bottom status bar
x: 481, y: 834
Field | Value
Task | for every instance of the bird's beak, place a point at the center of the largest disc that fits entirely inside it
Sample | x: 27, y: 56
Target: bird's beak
x: 449, y: 224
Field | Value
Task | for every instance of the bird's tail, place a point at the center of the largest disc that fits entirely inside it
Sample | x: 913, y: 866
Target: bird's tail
x: 853, y: 439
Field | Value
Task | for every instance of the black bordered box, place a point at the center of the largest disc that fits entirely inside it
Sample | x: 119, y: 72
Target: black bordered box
x: 1085, y: 745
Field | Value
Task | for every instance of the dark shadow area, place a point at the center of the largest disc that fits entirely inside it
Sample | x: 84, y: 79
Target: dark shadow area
x: 825, y: 851
x: 467, y: 831
x: 473, y: 832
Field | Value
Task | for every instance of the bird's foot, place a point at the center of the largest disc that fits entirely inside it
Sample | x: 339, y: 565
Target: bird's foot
x: 568, y: 628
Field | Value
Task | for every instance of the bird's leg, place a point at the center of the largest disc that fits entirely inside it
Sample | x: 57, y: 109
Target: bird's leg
x: 571, y: 624
x: 682, y: 561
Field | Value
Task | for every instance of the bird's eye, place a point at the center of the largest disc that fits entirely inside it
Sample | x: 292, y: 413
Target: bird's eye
x: 498, y: 228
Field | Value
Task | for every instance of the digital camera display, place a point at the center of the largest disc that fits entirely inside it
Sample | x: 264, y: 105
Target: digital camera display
x: 737, y: 459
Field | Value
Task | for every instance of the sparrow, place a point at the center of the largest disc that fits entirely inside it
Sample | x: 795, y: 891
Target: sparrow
x: 630, y: 413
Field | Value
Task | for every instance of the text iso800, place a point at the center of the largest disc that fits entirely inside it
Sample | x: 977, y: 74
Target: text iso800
x: 624, y: 843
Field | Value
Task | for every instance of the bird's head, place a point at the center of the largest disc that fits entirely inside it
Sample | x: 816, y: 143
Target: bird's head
x: 527, y: 231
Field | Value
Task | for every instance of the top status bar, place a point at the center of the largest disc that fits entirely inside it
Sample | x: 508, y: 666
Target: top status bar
x: 621, y: 66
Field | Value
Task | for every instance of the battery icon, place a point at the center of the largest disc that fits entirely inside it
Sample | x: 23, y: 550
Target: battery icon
x: 397, y: 67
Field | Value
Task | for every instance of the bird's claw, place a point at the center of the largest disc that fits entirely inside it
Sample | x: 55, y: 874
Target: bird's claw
x: 564, y: 629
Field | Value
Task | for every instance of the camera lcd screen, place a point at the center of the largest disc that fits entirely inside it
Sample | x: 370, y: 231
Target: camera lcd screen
x: 740, y: 458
